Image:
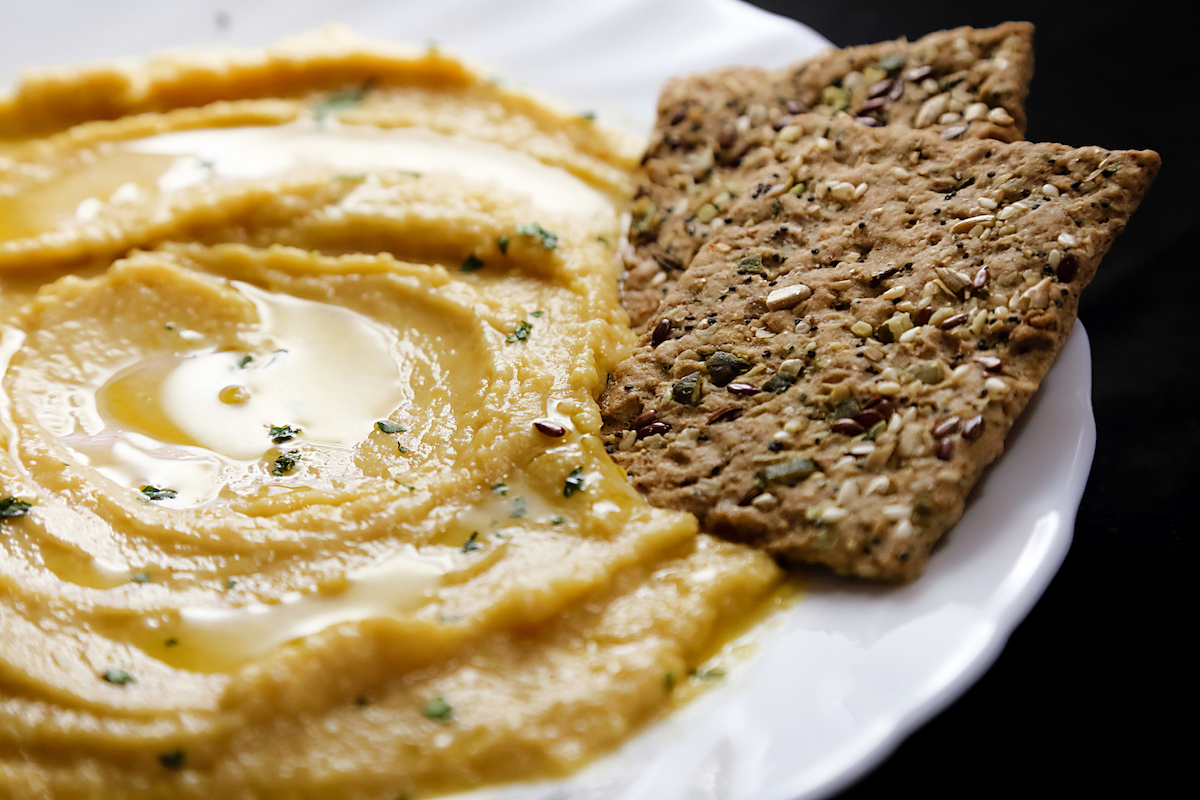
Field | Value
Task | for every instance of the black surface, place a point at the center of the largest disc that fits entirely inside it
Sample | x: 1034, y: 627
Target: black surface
x: 1093, y: 695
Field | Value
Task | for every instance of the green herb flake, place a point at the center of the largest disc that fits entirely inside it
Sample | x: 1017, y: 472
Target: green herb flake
x: 286, y: 462
x: 245, y: 360
x: 534, y: 229
x: 340, y: 101
x: 140, y: 577
x: 668, y: 680
x: 156, y: 493
x: 710, y: 674
x: 500, y: 489
x: 538, y: 314
x: 404, y: 450
x: 590, y: 116
x: 471, y: 263
x: 472, y: 543
x: 117, y: 677
x: 170, y: 641
x: 12, y: 507
x: 520, y: 333
x: 283, y: 433
x: 502, y: 244
x: 438, y: 709
x: 230, y: 583
x: 387, y: 426
x: 574, y: 482
x: 173, y: 760
x: 557, y: 519
x: 519, y: 509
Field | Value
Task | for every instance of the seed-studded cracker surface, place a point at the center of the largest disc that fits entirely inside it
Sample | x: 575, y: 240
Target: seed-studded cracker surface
x: 840, y: 362
x: 712, y: 128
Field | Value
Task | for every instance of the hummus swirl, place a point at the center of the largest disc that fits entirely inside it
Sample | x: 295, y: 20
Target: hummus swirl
x: 301, y: 488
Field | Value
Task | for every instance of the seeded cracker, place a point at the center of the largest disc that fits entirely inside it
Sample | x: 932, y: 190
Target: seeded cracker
x: 840, y: 364
x: 963, y: 83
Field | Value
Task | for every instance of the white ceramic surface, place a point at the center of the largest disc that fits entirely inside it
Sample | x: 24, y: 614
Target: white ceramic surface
x: 840, y: 679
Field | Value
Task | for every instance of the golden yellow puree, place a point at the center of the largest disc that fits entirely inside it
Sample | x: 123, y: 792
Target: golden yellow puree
x: 275, y: 516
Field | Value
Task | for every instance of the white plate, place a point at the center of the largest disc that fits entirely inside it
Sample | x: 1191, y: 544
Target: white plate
x: 845, y: 675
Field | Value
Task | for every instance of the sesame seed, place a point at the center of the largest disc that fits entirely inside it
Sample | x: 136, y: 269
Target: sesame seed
x: 790, y: 133
x: 788, y: 296
x: 995, y: 387
x: 765, y: 502
x: 1000, y: 116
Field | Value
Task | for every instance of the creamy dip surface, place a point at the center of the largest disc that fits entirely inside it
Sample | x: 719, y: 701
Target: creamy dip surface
x: 301, y: 493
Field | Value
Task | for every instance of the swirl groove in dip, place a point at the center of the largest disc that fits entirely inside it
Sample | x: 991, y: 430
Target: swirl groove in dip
x: 299, y: 363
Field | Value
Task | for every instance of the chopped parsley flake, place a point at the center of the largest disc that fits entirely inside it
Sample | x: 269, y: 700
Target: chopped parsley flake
x: 502, y: 244
x: 12, y: 507
x: 140, y: 577
x: 557, y: 519
x: 711, y: 674
x: 574, y: 482
x: 155, y: 493
x: 286, y: 462
x: 117, y: 677
x: 438, y: 709
x: 387, y: 426
x: 404, y: 450
x: 173, y: 759
x: 500, y: 489
x: 472, y: 543
x: 538, y: 313
x: 472, y: 263
x: 340, y: 101
x: 283, y: 433
x: 534, y: 229
x: 668, y: 680
x: 588, y: 115
x: 519, y: 509
x: 230, y: 583
x: 245, y: 360
x: 520, y: 334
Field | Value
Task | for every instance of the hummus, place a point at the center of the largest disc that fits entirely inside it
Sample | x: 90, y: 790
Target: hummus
x: 301, y: 493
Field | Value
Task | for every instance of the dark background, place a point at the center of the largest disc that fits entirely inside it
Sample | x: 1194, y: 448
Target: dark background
x: 1093, y: 696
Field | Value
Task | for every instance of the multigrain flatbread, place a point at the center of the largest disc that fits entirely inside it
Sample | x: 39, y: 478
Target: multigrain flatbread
x: 840, y: 361
x: 712, y: 127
